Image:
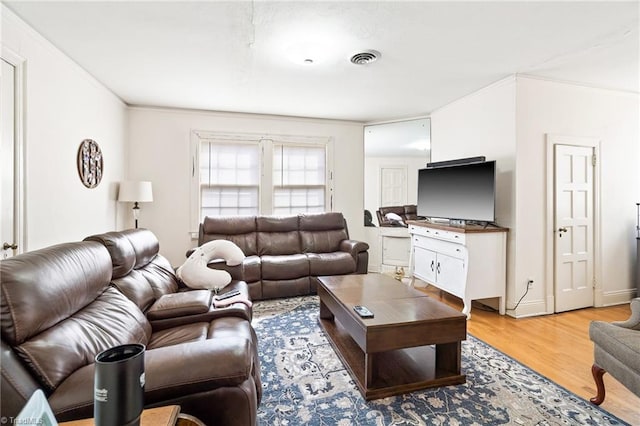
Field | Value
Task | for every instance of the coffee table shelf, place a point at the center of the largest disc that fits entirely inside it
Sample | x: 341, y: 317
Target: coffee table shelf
x: 412, y: 343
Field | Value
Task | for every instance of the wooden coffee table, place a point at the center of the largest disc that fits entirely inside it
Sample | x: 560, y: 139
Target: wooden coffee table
x: 413, y: 342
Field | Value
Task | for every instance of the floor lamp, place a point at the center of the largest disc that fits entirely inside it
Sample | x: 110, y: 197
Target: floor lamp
x: 135, y: 192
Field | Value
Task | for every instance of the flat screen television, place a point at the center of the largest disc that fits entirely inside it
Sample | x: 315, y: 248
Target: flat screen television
x: 460, y: 192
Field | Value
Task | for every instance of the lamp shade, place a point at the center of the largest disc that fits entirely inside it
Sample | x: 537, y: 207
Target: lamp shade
x: 134, y: 191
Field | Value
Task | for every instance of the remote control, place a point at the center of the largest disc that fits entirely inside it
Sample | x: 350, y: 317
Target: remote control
x: 227, y: 295
x: 363, y: 312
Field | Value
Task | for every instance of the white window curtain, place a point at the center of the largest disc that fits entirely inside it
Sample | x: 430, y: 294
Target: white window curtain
x: 235, y: 174
x: 299, y: 178
x: 229, y: 179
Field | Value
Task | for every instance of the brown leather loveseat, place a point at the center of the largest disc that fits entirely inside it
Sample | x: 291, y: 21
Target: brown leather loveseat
x: 59, y: 310
x: 285, y: 254
x: 406, y: 212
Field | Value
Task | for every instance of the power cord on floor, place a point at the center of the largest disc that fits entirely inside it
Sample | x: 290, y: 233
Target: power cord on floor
x: 525, y: 293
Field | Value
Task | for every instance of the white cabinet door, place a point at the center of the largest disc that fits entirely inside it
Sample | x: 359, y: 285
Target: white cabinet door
x: 425, y: 264
x: 396, y: 250
x: 450, y: 274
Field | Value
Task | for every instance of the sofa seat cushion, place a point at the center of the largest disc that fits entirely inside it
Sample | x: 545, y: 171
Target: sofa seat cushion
x: 336, y: 263
x: 251, y: 269
x: 231, y: 327
x: 211, y: 366
x: 182, y: 334
x: 285, y: 267
x: 180, y: 304
x: 621, y: 343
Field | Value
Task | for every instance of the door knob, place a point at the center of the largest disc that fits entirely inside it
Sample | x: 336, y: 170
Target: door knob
x: 562, y: 229
x: 7, y: 246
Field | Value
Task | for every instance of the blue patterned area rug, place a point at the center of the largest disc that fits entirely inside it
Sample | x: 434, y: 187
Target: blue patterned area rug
x: 305, y: 383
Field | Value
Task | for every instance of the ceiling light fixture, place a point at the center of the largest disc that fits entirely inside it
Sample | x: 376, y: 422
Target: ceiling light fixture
x: 365, y: 57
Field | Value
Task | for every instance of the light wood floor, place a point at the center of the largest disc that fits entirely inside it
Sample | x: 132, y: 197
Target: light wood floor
x: 556, y: 346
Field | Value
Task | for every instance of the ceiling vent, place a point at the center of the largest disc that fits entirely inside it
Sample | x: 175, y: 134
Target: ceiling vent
x: 366, y: 57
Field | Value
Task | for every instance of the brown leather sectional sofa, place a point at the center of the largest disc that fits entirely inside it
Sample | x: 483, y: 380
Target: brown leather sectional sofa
x: 64, y: 304
x: 286, y: 254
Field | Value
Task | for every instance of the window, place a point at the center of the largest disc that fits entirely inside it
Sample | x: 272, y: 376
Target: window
x: 299, y: 179
x: 240, y: 176
x: 229, y: 179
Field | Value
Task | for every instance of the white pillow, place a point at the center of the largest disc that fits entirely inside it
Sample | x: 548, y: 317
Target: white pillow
x: 393, y: 216
x: 395, y: 219
x: 195, y: 273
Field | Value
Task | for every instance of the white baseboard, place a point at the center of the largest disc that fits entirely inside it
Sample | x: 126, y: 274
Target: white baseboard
x: 618, y: 297
x: 537, y: 307
x: 528, y: 309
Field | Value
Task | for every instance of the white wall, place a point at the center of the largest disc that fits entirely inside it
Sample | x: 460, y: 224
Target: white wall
x: 508, y: 121
x: 63, y: 106
x: 160, y: 152
x: 483, y: 124
x: 611, y: 117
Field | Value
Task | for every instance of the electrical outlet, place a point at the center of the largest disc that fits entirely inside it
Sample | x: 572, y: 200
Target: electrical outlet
x: 530, y: 283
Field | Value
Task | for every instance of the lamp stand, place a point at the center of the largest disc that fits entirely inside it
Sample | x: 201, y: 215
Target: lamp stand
x: 136, y: 213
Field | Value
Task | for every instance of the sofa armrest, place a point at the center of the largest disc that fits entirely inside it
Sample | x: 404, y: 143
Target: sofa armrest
x: 353, y: 247
x: 357, y: 250
x: 180, y: 304
x: 634, y: 320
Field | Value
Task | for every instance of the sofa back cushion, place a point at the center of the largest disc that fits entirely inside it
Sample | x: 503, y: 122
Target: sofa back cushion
x: 139, y: 271
x: 322, y: 232
x: 123, y: 257
x: 411, y: 212
x: 58, y: 311
x: 145, y: 245
x: 241, y: 230
x: 43, y: 287
x: 278, y: 235
x: 108, y: 321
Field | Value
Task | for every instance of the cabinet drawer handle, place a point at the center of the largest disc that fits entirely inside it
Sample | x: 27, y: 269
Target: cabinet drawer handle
x: 438, y: 268
x: 432, y: 262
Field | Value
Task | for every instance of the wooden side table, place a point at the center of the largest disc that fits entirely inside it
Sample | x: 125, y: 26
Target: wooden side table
x: 160, y: 416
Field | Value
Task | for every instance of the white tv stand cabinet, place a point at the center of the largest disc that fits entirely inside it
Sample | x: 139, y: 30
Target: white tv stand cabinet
x: 467, y: 261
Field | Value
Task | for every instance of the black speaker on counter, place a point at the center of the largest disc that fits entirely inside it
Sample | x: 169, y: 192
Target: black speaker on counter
x: 457, y: 161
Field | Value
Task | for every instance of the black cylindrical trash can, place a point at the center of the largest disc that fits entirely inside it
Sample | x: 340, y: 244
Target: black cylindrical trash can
x: 119, y: 386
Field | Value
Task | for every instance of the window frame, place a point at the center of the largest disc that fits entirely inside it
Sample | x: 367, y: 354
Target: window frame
x: 266, y: 144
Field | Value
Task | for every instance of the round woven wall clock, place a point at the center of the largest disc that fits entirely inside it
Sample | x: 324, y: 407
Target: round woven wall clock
x: 90, y: 163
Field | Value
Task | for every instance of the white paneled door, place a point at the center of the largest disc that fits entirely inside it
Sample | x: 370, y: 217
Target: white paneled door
x: 393, y: 186
x: 8, y: 238
x: 574, y: 225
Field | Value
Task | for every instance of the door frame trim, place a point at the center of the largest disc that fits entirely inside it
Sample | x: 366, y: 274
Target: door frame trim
x: 20, y: 225
x: 594, y: 143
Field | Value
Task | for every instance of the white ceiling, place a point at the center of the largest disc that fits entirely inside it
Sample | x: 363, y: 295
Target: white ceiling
x: 233, y: 56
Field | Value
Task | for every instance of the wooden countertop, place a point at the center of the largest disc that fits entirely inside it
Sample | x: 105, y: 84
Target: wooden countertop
x: 160, y: 416
x: 470, y: 228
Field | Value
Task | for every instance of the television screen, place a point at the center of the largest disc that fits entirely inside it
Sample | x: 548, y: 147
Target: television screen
x: 462, y: 192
